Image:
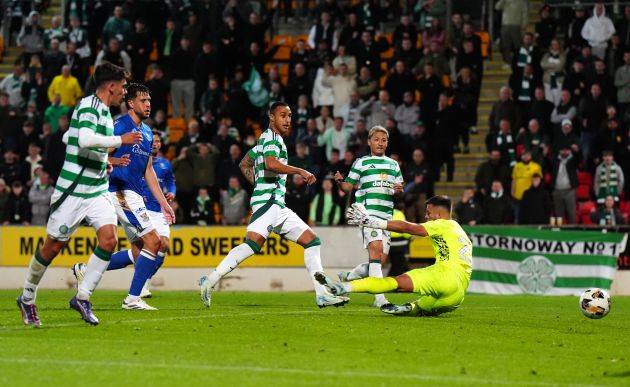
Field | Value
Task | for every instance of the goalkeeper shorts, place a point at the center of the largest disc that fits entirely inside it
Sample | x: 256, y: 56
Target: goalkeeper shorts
x: 441, y: 288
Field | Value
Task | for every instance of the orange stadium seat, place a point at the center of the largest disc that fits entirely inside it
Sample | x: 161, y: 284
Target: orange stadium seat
x: 176, y: 129
x: 485, y: 43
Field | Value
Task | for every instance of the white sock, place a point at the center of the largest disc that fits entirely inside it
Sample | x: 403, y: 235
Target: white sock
x: 93, y: 273
x: 230, y: 262
x: 313, y: 263
x: 376, y: 271
x: 360, y: 271
x: 36, y: 271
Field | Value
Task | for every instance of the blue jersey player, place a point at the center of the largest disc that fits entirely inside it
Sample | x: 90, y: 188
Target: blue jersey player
x: 127, y: 186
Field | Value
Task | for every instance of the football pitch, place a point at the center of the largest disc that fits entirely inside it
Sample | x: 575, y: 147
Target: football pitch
x: 282, y: 339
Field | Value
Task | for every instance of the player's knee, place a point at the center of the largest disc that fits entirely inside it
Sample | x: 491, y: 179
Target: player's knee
x: 164, y: 244
x: 108, y: 242
x: 405, y: 284
x: 152, y: 242
x: 315, y: 241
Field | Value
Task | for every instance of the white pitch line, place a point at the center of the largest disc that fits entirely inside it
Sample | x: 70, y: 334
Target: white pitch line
x: 297, y: 371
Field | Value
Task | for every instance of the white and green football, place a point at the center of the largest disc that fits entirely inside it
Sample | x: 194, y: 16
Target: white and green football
x: 595, y: 303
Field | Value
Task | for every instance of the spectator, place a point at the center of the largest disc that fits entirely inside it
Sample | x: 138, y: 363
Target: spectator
x: 76, y: 63
x: 366, y: 85
x: 117, y: 27
x: 34, y: 90
x: 346, y: 59
x: 55, y: 149
x: 437, y: 58
x: 399, y: 82
x: 159, y: 90
x: 207, y: 66
x: 182, y: 83
x: 39, y: 196
x: 234, y: 205
x: 12, y: 85
x: 526, y: 54
x: 342, y: 85
x: 622, y: 27
x: 139, y: 47
x: 447, y: 123
x: 31, y: 37
x: 213, y: 98
x: 513, y: 22
x: 522, y: 175
x: 434, y: 35
x: 405, y: 30
x: 368, y: 51
x: 407, y: 53
x: 183, y: 170
x: 565, y: 137
x: 323, y: 92
x: 609, y: 178
x: 358, y: 139
x: 612, y: 138
x: 323, y: 31
x: 524, y: 84
x: 552, y: 64
x: 564, y: 183
x: 469, y: 57
x: 492, y: 170
x: 466, y: 97
x: 376, y: 112
x: 53, y: 60
x: 66, y: 86
x: 426, y: 10
x: 575, y: 81
x: 334, y: 138
x: 300, y: 53
x: 351, y: 31
x: 608, y: 214
x: 299, y: 84
x: 168, y: 42
x: 229, y: 167
x: 540, y: 110
x: 114, y: 54
x: 504, y: 109
x: 532, y: 140
x: 222, y: 140
x: 18, y: 207
x: 545, y: 28
x: 34, y: 160
x: 202, y: 211
x: 79, y: 37
x: 351, y: 112
x: 407, y: 114
x: 325, y: 211
x: 575, y: 41
x: 418, y: 176
x: 565, y: 110
x: 496, y: 206
x: 504, y: 142
x: 419, y: 138
x: 622, y: 82
x: 603, y: 79
x: 5, y: 192
x: 467, y: 211
x: 536, y: 203
x: 399, y: 249
x: 592, y: 112
x: 369, y: 12
x: 297, y: 197
x: 13, y: 169
x: 598, y: 30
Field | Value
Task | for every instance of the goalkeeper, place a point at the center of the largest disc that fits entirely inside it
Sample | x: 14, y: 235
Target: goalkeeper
x: 441, y: 286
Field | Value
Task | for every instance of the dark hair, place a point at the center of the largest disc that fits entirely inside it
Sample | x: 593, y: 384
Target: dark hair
x: 277, y: 104
x: 134, y: 89
x: 108, y: 72
x: 440, y: 201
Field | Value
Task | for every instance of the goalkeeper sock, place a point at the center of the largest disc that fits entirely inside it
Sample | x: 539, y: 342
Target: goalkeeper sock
x: 144, y: 269
x: 232, y: 260
x: 96, y: 266
x: 313, y: 263
x: 360, y: 271
x: 376, y: 271
x: 36, y: 270
x: 120, y: 259
x: 373, y: 285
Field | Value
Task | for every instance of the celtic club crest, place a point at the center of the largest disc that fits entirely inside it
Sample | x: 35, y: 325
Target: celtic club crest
x: 536, y: 274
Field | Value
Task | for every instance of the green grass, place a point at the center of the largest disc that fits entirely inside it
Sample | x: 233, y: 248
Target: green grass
x: 277, y: 339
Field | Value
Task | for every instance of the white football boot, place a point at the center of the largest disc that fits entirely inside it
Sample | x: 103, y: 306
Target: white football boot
x: 137, y: 304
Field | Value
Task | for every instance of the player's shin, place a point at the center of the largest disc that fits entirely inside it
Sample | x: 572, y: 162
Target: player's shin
x: 96, y: 266
x: 36, y: 270
x: 232, y: 260
x: 376, y: 271
x: 373, y: 285
x: 120, y: 259
x: 144, y: 269
x: 360, y: 271
x: 313, y: 263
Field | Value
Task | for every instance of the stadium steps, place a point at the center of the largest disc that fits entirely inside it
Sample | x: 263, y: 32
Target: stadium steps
x: 13, y: 52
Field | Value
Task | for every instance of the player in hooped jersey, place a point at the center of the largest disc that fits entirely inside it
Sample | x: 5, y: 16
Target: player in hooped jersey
x: 127, y: 185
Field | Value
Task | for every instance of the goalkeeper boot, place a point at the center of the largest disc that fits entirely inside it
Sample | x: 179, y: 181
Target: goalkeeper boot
x: 336, y: 288
x: 324, y: 300
x: 380, y: 303
x: 78, y: 270
x: 408, y: 309
x: 205, y: 291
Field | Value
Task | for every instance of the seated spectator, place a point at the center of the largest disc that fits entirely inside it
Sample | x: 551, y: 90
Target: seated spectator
x: 609, y: 178
x: 496, y: 206
x: 334, y: 138
x: 297, y: 197
x: 325, y: 210
x: 18, y: 207
x: 468, y: 211
x: 522, y: 175
x: 367, y: 86
x: 564, y: 182
x: 234, y: 204
x: 598, y: 29
x: 437, y: 58
x: 553, y: 63
x: 39, y: 196
x: 407, y: 114
x: 300, y: 158
x: 202, y: 211
x: 5, y: 192
x: 492, y: 170
x: 114, y: 54
x: 535, y: 206
x: 399, y: 82
x: 377, y: 112
x: 66, y: 86
x: 607, y: 214
x: 342, y: 84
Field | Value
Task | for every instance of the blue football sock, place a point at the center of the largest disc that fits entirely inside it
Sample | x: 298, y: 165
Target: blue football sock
x: 120, y: 260
x: 145, y: 267
x: 159, y: 260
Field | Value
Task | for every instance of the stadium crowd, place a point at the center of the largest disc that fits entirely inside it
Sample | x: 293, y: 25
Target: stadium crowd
x: 560, y: 126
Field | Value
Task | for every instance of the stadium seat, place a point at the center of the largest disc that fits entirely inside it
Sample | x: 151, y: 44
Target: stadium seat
x: 585, y: 178
x: 176, y: 129
x: 485, y: 43
x: 583, y: 192
x: 284, y: 52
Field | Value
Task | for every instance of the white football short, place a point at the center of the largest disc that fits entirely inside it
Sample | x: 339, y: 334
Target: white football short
x: 273, y: 218
x: 374, y: 234
x: 63, y: 221
x: 132, y: 214
x: 159, y: 222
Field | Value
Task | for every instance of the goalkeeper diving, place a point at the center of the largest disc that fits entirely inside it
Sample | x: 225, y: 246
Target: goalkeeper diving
x: 441, y: 286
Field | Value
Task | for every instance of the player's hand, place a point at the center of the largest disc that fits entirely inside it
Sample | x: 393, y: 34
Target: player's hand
x: 131, y: 138
x: 398, y: 188
x: 356, y: 215
x: 308, y: 177
x: 121, y: 161
x: 169, y: 196
x: 168, y: 212
x: 338, y: 177
x: 109, y: 168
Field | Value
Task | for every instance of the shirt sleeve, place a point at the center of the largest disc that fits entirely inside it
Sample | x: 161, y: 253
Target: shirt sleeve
x: 432, y: 227
x: 398, y: 178
x: 252, y: 153
x: 355, y: 173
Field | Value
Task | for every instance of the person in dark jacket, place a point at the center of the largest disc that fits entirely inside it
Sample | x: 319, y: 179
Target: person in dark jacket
x: 592, y: 112
x: 297, y: 197
x: 447, y: 123
x: 535, y: 204
x: 497, y: 208
x: 468, y: 211
x: 564, y: 182
x: 490, y: 171
x: 202, y: 211
x: 18, y: 206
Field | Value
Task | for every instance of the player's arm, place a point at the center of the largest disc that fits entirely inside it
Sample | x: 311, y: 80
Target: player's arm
x: 404, y: 227
x: 156, y: 191
x: 351, y: 180
x: 357, y: 215
x: 247, y: 167
x: 121, y: 161
x: 274, y: 165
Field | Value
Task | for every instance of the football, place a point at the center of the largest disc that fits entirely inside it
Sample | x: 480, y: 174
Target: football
x: 595, y: 303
